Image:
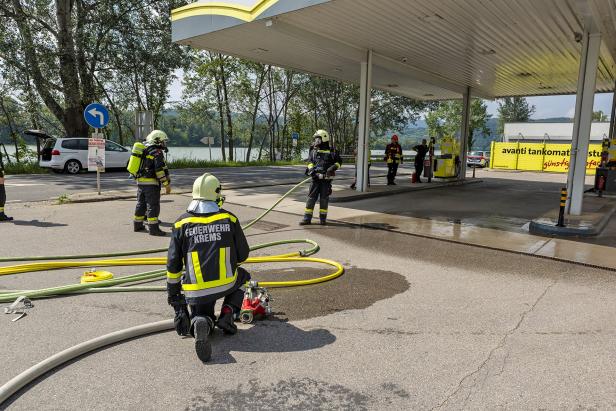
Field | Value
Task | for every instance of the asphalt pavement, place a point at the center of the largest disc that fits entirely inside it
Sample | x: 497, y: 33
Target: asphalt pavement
x: 41, y: 187
x: 415, y: 323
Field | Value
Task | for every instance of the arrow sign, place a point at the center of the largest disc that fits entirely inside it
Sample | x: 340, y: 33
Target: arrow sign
x: 96, y: 115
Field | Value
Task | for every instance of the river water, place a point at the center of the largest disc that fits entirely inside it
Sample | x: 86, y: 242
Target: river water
x: 204, y: 153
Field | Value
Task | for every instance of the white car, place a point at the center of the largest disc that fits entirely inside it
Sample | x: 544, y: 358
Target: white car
x: 71, y: 154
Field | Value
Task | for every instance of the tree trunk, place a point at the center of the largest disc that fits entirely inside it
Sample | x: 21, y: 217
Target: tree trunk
x: 223, y: 78
x: 253, y: 126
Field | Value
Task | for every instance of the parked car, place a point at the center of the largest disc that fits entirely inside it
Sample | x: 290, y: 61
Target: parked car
x: 70, y: 154
x: 478, y: 159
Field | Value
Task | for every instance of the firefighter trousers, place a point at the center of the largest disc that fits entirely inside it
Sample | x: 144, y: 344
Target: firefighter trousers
x: 234, y: 299
x: 2, y: 197
x: 319, y: 190
x: 148, y: 203
x: 392, y: 171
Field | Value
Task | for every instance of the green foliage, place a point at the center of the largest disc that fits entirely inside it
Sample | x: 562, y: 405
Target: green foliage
x: 446, y: 119
x: 194, y: 163
x: 513, y: 110
x: 64, y: 199
x: 30, y: 167
x: 599, y: 116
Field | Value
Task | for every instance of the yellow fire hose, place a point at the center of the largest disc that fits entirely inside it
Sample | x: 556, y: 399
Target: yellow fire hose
x: 111, y: 285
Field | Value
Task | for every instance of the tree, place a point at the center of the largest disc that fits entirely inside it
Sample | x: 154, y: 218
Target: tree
x: 513, y: 110
x: 446, y: 120
x: 72, y: 50
x: 599, y: 116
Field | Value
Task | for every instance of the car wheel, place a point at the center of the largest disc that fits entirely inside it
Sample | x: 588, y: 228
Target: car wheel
x: 72, y: 166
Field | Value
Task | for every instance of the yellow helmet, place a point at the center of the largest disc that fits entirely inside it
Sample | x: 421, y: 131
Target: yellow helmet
x: 157, y: 137
x: 323, y: 135
x: 208, y: 188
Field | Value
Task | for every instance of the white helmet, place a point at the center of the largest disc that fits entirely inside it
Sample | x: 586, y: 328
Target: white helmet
x: 208, y: 188
x: 323, y: 135
x: 157, y: 137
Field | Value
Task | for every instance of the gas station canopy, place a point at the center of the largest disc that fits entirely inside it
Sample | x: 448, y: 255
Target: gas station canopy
x: 424, y: 49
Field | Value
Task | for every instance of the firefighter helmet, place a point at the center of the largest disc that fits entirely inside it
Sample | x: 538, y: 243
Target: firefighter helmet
x: 208, y: 188
x: 323, y: 135
x: 157, y: 137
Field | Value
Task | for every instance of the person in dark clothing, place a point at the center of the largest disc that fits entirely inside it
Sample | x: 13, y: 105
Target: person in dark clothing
x: 3, y: 216
x: 393, y: 157
x: 155, y: 174
x: 208, y: 244
x: 324, y: 162
x: 422, y: 150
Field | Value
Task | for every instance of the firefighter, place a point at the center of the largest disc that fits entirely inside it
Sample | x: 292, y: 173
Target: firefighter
x: 393, y: 157
x: 208, y: 243
x: 155, y: 174
x: 421, y: 149
x: 3, y: 217
x: 324, y: 161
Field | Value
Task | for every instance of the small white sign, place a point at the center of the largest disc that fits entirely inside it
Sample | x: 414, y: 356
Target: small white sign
x: 208, y: 140
x: 96, y: 153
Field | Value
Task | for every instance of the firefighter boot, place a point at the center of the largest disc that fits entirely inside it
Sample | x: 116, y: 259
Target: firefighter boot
x: 226, y: 320
x: 4, y: 217
x: 323, y: 221
x: 138, y: 226
x: 202, y: 328
x: 156, y: 231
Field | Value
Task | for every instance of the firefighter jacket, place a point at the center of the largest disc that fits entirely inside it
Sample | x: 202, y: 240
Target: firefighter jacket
x: 393, y: 153
x: 209, y: 248
x: 155, y: 171
x: 320, y: 161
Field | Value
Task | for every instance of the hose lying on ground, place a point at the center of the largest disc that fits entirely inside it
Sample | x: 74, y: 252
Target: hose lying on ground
x: 26, y: 377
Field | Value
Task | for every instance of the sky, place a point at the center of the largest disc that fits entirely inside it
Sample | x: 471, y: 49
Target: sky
x: 546, y: 107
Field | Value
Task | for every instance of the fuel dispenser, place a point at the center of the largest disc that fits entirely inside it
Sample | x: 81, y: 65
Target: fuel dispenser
x: 446, y: 164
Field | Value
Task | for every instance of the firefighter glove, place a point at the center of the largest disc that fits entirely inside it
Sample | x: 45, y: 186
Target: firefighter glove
x: 331, y: 171
x: 168, y: 189
x: 181, y: 321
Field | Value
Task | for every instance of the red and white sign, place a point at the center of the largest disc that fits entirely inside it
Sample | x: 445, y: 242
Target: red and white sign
x: 96, y: 153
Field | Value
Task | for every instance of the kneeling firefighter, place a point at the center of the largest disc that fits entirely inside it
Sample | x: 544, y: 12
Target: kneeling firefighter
x: 208, y: 243
x: 324, y: 161
x: 151, y: 174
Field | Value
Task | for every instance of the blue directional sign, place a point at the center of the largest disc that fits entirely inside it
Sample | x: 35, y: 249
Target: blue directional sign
x: 96, y: 115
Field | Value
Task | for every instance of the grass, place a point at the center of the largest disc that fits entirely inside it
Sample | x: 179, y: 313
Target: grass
x: 30, y: 167
x: 195, y: 163
x: 64, y: 199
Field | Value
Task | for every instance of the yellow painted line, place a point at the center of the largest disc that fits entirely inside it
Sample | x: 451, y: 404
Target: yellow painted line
x: 228, y: 9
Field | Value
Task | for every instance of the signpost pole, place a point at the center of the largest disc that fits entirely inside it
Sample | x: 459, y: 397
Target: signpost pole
x: 209, y: 144
x: 98, y: 171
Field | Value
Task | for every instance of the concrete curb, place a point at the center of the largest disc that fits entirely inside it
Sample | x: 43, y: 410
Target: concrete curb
x: 401, y: 190
x: 126, y: 194
x: 550, y: 229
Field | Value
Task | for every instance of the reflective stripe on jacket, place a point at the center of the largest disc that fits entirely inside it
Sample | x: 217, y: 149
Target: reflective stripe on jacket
x: 393, y: 153
x: 155, y: 169
x: 209, y: 248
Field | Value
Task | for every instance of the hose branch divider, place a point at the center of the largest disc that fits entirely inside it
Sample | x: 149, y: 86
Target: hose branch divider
x: 123, y: 284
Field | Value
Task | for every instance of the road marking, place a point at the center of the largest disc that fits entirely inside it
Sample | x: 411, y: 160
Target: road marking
x: 23, y: 184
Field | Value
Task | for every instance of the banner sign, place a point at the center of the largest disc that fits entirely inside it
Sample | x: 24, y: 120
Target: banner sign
x: 539, y: 157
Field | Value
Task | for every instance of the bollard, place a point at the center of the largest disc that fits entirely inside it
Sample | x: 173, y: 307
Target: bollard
x: 563, y: 203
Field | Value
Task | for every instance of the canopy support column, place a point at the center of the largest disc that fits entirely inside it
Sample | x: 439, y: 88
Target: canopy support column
x: 363, y: 143
x: 464, y: 131
x: 584, y: 103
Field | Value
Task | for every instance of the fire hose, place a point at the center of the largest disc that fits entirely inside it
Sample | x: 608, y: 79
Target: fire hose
x: 122, y: 284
